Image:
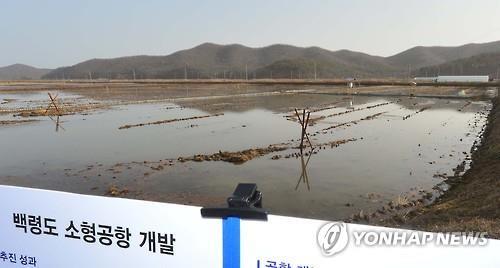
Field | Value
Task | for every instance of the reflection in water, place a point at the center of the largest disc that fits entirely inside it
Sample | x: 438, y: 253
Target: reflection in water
x: 350, y: 105
x: 303, y: 176
x: 57, y: 123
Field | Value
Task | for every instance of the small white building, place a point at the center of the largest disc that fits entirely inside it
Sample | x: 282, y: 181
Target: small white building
x: 462, y: 78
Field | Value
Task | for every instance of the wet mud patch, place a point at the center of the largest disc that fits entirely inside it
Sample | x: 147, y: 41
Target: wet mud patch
x: 370, y: 117
x: 314, y: 120
x: 239, y: 157
x: 15, y: 122
x: 170, y: 121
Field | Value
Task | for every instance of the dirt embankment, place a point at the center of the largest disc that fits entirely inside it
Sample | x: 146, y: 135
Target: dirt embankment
x: 170, y: 121
x: 14, y: 122
x: 239, y: 157
x: 473, y: 201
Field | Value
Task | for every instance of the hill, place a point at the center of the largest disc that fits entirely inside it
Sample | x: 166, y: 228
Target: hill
x: 21, y: 72
x: 483, y: 64
x: 278, y: 61
x: 421, y: 56
x: 230, y: 61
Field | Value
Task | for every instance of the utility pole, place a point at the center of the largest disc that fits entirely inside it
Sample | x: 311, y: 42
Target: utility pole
x: 246, y: 72
x: 185, y: 72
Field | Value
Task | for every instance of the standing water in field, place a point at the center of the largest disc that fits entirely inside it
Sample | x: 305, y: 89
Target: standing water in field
x: 367, y: 150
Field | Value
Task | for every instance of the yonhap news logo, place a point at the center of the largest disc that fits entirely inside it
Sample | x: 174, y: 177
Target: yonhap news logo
x: 333, y: 238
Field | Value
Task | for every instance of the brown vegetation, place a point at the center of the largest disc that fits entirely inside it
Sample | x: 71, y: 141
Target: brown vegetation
x: 239, y: 157
x: 116, y: 191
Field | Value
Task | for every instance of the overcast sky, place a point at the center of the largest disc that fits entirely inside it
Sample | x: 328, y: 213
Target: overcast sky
x: 53, y: 33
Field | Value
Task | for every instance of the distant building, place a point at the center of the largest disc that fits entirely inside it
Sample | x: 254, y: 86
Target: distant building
x: 351, y: 82
x: 463, y: 78
x: 454, y: 78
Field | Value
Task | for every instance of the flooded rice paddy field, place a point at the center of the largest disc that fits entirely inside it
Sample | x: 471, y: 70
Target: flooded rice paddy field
x: 194, y: 146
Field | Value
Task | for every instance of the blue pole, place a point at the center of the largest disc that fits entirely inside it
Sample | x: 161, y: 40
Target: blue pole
x: 231, y: 242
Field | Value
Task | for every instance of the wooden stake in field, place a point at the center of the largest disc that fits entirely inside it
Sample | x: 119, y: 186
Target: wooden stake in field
x: 304, y: 122
x: 53, y: 103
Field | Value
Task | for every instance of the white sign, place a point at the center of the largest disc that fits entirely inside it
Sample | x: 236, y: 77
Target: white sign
x: 39, y: 228
x: 105, y: 232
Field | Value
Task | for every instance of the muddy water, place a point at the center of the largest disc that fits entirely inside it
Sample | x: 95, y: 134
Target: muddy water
x: 400, y: 151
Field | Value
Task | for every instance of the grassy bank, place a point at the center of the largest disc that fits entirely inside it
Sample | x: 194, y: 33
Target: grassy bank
x: 473, y: 201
